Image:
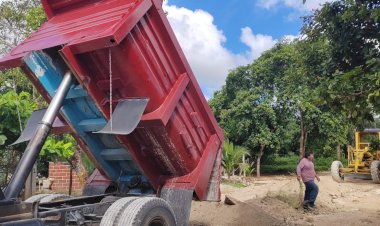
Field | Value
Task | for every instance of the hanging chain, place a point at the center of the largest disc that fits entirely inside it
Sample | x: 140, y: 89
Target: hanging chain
x: 110, y: 74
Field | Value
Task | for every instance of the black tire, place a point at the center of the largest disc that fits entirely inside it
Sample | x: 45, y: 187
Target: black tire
x: 54, y: 197
x: 100, y: 210
x: 35, y: 198
x: 336, y: 175
x: 113, y: 213
x: 148, y: 211
x: 375, y: 171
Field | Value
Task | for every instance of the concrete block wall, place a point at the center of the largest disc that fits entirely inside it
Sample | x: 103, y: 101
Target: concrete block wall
x: 59, y: 174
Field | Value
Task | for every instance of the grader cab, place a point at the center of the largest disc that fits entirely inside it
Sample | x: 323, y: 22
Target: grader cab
x: 363, y: 159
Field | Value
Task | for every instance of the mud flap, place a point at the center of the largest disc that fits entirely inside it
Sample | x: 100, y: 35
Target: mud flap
x: 32, y: 125
x: 126, y: 117
x: 180, y: 201
x: 96, y: 184
x: 213, y: 190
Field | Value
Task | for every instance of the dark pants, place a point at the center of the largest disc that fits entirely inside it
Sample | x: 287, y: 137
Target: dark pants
x: 311, y: 193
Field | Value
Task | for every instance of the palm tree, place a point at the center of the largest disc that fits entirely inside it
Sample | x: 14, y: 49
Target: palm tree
x: 232, y: 156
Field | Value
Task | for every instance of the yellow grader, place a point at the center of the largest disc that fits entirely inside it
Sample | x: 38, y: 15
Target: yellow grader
x: 364, y: 159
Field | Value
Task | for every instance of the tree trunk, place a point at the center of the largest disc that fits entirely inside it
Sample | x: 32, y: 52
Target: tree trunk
x: 338, y: 152
x: 303, y: 137
x: 80, y: 169
x: 12, y: 164
x: 353, y: 140
x: 244, y: 172
x: 71, y: 181
x: 8, y: 168
x: 71, y: 176
x: 304, y: 141
x: 258, y: 162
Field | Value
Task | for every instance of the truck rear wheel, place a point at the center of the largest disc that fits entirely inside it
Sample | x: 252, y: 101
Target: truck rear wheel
x: 54, y: 197
x: 148, y: 211
x: 35, y: 198
x: 335, y: 171
x: 375, y: 171
x: 43, y: 198
x: 106, y: 202
x: 114, y: 212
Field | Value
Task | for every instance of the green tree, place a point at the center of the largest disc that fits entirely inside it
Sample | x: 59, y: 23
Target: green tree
x: 14, y: 110
x: 350, y: 30
x: 18, y: 18
x: 286, y: 81
x: 18, y: 98
x: 231, y: 157
x: 62, y: 148
x: 250, y: 121
x: 302, y: 92
x: 314, y: 90
x: 58, y: 149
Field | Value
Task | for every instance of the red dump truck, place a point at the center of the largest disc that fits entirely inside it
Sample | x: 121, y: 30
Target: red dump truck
x: 114, y: 73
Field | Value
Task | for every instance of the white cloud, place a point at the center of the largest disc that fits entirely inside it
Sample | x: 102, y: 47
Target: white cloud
x: 291, y: 37
x: 268, y: 4
x: 257, y: 43
x: 295, y: 4
x: 203, y: 44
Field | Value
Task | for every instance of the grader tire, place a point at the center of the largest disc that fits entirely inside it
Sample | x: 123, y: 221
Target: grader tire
x: 375, y: 171
x: 335, y: 166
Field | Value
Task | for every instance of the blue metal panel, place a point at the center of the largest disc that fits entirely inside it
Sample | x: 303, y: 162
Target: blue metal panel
x: 76, y: 92
x: 82, y: 114
x: 92, y: 125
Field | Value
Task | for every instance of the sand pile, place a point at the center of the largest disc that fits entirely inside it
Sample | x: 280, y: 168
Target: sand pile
x: 276, y: 200
x: 220, y: 214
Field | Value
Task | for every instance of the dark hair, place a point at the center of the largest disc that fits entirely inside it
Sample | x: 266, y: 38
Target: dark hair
x: 308, y: 153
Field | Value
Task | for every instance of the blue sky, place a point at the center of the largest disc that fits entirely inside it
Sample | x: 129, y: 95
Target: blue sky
x: 232, y: 15
x: 218, y: 36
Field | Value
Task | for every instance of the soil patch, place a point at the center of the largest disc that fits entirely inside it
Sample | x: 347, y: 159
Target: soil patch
x: 275, y: 200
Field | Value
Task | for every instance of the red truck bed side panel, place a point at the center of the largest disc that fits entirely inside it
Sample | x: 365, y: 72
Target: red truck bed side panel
x: 177, y: 133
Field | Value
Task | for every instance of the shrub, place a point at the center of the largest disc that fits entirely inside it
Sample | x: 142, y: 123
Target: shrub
x: 288, y: 164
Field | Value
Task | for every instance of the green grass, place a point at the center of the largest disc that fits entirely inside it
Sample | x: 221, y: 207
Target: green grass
x: 288, y: 164
x: 234, y: 184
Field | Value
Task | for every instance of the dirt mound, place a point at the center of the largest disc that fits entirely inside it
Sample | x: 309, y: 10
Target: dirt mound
x: 276, y: 200
x: 220, y: 214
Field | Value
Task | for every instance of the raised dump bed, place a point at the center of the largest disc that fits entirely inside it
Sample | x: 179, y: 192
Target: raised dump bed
x: 134, y: 105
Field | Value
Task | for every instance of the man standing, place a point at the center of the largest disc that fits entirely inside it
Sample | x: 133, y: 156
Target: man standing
x: 306, y: 172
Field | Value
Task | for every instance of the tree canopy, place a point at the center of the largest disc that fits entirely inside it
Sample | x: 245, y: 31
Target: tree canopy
x: 309, y: 93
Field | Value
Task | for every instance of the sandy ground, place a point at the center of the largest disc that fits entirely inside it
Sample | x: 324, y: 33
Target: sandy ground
x: 275, y: 200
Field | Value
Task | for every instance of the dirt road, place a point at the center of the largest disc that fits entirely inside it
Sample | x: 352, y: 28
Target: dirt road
x: 275, y: 200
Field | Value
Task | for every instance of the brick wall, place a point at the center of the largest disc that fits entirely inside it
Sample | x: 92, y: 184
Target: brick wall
x: 59, y: 173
